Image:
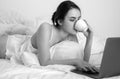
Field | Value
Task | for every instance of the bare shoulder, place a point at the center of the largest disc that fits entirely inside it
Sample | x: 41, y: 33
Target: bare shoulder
x: 43, y: 32
x: 45, y: 25
x: 44, y: 28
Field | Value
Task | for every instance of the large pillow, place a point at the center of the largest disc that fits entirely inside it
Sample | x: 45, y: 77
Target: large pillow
x: 66, y: 50
x: 70, y: 49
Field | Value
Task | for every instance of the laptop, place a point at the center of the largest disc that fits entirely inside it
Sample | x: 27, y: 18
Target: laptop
x: 110, y: 65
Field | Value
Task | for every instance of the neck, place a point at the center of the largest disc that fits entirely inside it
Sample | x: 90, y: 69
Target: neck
x: 62, y: 34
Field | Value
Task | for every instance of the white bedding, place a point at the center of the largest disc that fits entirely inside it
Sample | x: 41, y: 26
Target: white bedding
x: 9, y: 69
x: 15, y: 71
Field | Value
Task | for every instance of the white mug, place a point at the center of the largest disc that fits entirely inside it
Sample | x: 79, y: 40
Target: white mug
x: 81, y: 25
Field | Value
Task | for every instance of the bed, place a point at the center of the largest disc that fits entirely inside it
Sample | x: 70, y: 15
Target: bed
x: 11, y: 68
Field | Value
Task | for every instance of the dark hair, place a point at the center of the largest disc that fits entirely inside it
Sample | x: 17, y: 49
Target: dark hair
x: 62, y: 10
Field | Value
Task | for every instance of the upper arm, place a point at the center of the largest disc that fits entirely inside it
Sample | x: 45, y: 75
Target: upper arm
x: 42, y: 41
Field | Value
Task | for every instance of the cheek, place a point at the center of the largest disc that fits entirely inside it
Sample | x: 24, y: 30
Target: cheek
x: 69, y: 26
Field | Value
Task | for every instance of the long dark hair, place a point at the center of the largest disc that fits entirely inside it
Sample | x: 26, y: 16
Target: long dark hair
x: 62, y: 10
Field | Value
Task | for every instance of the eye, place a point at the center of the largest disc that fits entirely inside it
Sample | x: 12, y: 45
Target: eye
x: 72, y: 19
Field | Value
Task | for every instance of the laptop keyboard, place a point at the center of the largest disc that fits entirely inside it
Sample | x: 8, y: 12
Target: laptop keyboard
x: 90, y: 72
x: 83, y: 71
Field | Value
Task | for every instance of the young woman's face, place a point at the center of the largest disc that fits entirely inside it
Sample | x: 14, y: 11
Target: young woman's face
x: 71, y: 17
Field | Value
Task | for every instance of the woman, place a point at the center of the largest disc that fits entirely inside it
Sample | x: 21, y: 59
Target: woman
x: 48, y: 35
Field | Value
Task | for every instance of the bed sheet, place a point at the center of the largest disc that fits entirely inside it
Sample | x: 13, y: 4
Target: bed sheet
x: 9, y: 70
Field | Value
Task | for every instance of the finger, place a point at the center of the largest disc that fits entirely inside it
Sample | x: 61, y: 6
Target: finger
x: 95, y: 69
x: 79, y: 68
x: 88, y: 25
x: 86, y: 22
x: 85, y: 33
x: 84, y: 69
x: 90, y: 68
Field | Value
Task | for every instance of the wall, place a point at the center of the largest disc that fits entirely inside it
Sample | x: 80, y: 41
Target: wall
x: 102, y: 15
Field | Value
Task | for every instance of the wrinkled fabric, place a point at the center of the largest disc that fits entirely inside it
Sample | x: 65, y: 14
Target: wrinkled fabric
x: 9, y: 70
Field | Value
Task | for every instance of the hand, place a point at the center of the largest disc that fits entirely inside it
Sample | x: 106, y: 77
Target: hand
x: 89, y: 30
x: 84, y: 66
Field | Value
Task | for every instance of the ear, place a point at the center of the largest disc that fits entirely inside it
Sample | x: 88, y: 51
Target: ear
x: 60, y: 22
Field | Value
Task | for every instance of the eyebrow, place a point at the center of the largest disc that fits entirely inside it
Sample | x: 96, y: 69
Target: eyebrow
x: 75, y: 17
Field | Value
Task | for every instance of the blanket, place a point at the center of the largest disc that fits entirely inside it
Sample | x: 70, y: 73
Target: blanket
x: 9, y: 70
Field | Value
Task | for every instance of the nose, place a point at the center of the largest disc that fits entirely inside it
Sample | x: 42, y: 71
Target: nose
x: 75, y: 24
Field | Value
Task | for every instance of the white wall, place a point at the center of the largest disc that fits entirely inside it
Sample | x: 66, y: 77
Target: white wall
x: 102, y: 15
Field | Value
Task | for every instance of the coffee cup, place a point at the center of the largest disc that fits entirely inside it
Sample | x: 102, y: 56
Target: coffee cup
x: 81, y: 25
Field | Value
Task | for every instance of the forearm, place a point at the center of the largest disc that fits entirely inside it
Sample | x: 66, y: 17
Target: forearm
x: 63, y: 62
x: 87, y: 50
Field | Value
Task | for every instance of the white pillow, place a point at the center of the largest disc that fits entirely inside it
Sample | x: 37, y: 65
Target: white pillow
x: 17, y: 53
x: 69, y: 49
x: 13, y: 48
x: 66, y: 50
x: 97, y: 50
